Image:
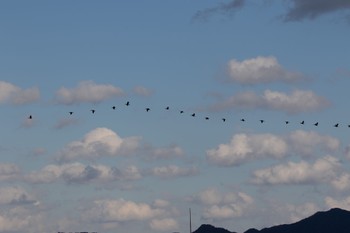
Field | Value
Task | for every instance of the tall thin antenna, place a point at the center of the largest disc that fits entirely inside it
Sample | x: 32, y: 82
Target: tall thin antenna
x: 190, y: 221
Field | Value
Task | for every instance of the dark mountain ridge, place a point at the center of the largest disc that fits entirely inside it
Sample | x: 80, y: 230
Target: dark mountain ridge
x: 332, y: 221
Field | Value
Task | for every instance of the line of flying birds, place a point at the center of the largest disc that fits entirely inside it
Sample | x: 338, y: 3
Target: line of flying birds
x: 30, y: 117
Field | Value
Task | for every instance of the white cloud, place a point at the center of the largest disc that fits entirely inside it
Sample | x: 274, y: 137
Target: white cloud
x: 244, y: 147
x: 21, y: 219
x: 172, y: 171
x: 80, y: 173
x: 87, y: 92
x: 9, y: 171
x: 220, y: 206
x: 121, y: 210
x: 305, y: 142
x: 324, y: 170
x: 295, y: 102
x: 342, y: 182
x: 12, y: 94
x: 164, y: 225
x: 260, y: 70
x: 97, y: 143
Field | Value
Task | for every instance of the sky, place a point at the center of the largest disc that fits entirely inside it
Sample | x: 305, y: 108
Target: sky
x: 228, y: 85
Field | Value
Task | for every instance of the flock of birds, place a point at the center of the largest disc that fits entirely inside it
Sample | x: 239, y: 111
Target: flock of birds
x: 30, y: 117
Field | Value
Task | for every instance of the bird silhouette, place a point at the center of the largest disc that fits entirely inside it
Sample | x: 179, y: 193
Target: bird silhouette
x: 316, y: 124
x: 302, y: 122
x: 207, y: 118
x: 127, y: 103
x: 113, y: 107
x: 262, y: 121
x: 193, y: 114
x: 93, y: 111
x: 287, y: 122
x: 336, y: 125
x: 147, y: 109
x: 242, y: 119
x: 223, y: 119
x: 167, y: 108
x: 70, y: 113
x: 181, y: 111
x: 30, y: 117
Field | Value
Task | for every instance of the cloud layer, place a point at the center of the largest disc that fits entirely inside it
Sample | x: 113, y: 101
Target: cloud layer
x: 260, y: 70
x: 247, y: 147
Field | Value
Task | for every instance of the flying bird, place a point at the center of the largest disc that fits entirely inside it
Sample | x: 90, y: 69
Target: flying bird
x: 262, y: 121
x: 167, y: 108
x: 302, y: 122
x: 193, y: 114
x: 30, y: 117
x: 127, y: 103
x: 207, y: 118
x: 113, y: 107
x: 336, y: 125
x: 287, y: 122
x: 316, y: 124
x: 242, y: 119
x: 223, y: 119
x: 181, y: 111
x: 147, y: 109
x: 70, y: 113
x: 93, y: 111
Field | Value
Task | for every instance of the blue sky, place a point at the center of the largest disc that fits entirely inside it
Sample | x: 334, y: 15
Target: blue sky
x: 128, y: 170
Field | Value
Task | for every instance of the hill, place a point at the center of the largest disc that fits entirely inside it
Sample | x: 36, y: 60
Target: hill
x: 332, y: 221
x: 211, y: 229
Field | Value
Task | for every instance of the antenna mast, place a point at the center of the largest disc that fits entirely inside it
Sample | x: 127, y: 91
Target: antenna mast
x: 190, y: 221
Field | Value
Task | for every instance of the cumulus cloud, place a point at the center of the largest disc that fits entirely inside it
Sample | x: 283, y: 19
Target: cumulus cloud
x: 12, y: 94
x: 260, y: 70
x: 342, y: 182
x: 9, y: 171
x: 97, y: 143
x: 222, y: 9
x: 297, y: 101
x: 87, y: 92
x: 220, y: 206
x: 246, y: 147
x: 172, y: 171
x: 80, y: 173
x: 120, y: 210
x: 323, y: 170
x: 310, y: 9
x: 305, y: 142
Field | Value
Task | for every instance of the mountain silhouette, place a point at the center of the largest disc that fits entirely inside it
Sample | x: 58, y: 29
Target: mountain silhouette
x: 205, y: 228
x: 332, y: 221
